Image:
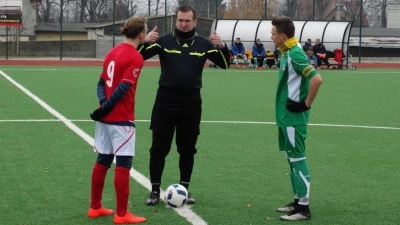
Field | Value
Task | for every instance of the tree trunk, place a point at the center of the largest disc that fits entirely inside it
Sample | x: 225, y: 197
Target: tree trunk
x: 82, y: 14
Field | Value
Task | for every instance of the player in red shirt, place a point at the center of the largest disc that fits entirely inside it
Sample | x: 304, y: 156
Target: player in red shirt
x: 115, y: 126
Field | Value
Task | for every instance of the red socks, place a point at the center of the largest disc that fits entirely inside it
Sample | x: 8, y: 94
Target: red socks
x: 98, y: 176
x: 121, y: 185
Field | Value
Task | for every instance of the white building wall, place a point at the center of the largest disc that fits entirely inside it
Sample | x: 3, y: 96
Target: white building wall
x: 393, y: 15
x: 28, y: 18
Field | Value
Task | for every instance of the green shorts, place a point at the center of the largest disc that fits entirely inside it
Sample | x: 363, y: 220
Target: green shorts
x: 291, y: 140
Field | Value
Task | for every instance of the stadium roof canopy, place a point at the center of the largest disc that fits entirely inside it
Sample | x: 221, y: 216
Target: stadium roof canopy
x: 333, y: 34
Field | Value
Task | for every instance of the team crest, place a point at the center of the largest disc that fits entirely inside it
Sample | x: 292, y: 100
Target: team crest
x: 136, y: 72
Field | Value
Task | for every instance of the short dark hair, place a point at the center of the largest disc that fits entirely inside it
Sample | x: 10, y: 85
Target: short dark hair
x: 284, y: 24
x: 186, y: 8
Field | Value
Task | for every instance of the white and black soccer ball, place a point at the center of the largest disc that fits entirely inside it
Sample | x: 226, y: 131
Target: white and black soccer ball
x: 176, y: 195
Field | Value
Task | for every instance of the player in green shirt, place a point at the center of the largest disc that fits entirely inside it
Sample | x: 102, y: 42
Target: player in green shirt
x: 298, y: 86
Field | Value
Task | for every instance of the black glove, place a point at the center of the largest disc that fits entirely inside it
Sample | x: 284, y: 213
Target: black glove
x: 293, y: 106
x: 99, y: 113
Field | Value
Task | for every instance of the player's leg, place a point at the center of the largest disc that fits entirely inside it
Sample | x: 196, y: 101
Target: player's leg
x: 314, y: 58
x: 325, y: 60
x: 121, y: 185
x: 319, y: 61
x: 244, y: 60
x: 235, y: 60
x: 264, y: 62
x: 259, y: 62
x: 123, y: 139
x: 163, y: 127
x: 283, y: 146
x: 297, y: 159
x: 187, y: 133
x: 161, y: 145
x: 252, y: 62
x: 103, y: 146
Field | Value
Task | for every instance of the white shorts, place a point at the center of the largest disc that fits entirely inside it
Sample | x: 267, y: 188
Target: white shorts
x: 116, y: 140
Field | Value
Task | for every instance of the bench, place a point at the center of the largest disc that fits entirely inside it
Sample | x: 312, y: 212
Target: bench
x: 247, y: 52
x: 333, y: 62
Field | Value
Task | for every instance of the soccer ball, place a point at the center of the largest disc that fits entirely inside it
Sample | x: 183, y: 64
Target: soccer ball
x: 176, y: 195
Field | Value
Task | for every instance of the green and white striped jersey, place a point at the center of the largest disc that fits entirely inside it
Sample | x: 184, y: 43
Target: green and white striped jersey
x: 295, y: 73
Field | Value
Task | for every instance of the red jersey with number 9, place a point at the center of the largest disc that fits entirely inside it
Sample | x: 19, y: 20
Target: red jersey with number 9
x: 123, y: 63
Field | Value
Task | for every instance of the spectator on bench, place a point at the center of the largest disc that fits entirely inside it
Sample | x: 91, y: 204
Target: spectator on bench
x: 320, y: 52
x: 259, y: 55
x: 238, y: 52
x: 308, y: 49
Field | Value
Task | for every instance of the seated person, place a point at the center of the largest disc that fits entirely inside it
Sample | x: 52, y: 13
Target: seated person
x: 308, y: 49
x: 258, y: 54
x: 270, y: 59
x: 320, y: 52
x: 238, y: 52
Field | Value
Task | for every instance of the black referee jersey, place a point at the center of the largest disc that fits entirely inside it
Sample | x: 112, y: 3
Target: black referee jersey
x: 182, y: 61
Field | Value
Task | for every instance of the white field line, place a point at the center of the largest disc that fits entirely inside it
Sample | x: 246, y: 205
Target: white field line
x: 226, y: 122
x: 185, y: 211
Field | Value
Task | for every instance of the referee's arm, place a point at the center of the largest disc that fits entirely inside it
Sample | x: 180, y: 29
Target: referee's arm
x: 148, y: 50
x: 220, y: 56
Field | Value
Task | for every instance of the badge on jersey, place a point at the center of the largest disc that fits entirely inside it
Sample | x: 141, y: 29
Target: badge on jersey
x: 136, y: 72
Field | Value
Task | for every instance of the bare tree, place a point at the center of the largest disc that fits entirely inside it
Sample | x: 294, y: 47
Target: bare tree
x: 82, y: 11
x: 44, y: 11
x: 384, y: 6
x: 98, y: 11
x: 62, y: 5
x: 243, y: 9
x: 205, y: 8
x: 50, y: 10
x: 291, y: 8
x: 132, y: 7
x: 376, y: 12
x: 154, y: 6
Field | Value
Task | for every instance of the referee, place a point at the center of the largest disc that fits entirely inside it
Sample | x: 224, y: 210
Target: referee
x: 177, y: 106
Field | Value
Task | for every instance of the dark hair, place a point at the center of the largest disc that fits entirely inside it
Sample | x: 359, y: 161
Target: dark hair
x: 134, y: 26
x: 186, y: 8
x: 284, y: 24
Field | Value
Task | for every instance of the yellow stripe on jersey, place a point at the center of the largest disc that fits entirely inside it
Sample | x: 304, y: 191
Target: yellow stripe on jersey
x: 152, y: 46
x: 196, y: 53
x: 308, y: 70
x: 172, y: 51
x: 225, y: 60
